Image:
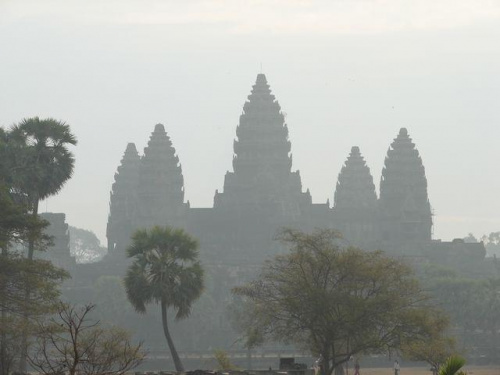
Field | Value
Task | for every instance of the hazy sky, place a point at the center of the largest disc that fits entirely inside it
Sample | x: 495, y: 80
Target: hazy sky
x: 346, y: 72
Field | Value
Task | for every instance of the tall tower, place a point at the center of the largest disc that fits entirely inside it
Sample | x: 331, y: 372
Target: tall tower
x: 161, y: 188
x: 262, y: 195
x: 404, y: 205
x: 355, y: 200
x: 123, y: 201
x: 262, y: 181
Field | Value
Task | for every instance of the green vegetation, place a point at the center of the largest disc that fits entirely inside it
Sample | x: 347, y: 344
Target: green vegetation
x: 165, y: 271
x: 85, y: 246
x: 472, y: 305
x: 336, y: 302
x: 41, y: 161
x: 18, y: 274
x: 223, y: 361
x: 434, y: 348
x: 35, y: 164
x: 453, y: 366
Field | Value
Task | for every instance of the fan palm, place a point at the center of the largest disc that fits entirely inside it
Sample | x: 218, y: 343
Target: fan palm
x: 165, y: 271
x: 38, y: 165
x: 42, y: 162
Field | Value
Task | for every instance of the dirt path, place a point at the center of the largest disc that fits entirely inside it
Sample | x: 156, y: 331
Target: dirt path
x: 472, y: 370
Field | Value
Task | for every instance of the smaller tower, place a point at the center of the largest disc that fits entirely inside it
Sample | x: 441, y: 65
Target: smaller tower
x: 123, y: 201
x: 404, y: 205
x: 355, y: 200
x: 161, y: 187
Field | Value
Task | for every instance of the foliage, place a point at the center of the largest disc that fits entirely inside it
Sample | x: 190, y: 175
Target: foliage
x: 453, y: 366
x: 42, y: 162
x: 73, y: 343
x: 478, y: 301
x: 85, y: 245
x: 223, y: 361
x: 35, y: 165
x: 435, y: 348
x: 17, y: 225
x: 336, y: 302
x: 11, y: 328
x: 491, y: 242
x: 38, y: 161
x: 165, y: 271
x: 17, y: 274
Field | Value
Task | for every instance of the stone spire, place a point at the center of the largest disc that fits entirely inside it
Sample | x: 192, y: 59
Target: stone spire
x: 404, y: 204
x: 161, y: 191
x: 262, y: 162
x: 355, y: 188
x: 355, y: 200
x: 123, y: 203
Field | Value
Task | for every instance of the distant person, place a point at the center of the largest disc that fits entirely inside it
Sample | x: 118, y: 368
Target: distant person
x: 318, y: 366
x: 356, y: 369
x: 396, y: 368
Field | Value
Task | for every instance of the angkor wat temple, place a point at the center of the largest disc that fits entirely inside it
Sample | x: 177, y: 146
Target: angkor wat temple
x: 263, y: 194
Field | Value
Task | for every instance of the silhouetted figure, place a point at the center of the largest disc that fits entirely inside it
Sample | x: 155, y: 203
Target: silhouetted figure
x: 396, y: 367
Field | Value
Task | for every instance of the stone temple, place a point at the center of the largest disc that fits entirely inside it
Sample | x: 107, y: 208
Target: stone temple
x: 263, y: 194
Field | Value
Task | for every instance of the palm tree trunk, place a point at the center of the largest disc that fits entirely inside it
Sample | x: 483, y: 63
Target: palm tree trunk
x: 177, y: 361
x: 31, y: 240
x: 23, y: 360
x: 3, y: 339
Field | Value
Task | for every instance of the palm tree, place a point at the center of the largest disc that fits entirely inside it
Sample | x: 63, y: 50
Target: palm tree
x: 42, y: 162
x: 452, y: 366
x: 165, y: 271
x: 39, y: 164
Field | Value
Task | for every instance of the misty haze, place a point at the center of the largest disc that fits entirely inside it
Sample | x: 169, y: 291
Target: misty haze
x: 307, y: 186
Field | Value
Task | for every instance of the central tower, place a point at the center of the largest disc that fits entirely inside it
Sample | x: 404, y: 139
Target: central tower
x: 262, y: 194
x: 262, y: 181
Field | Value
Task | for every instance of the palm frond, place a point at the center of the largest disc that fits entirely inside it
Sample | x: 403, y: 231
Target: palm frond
x: 452, y: 365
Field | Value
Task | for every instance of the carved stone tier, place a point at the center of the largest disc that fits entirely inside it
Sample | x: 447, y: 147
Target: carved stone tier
x: 161, y: 191
x: 262, y: 180
x: 123, y: 200
x: 355, y: 200
x: 404, y: 204
x: 355, y: 187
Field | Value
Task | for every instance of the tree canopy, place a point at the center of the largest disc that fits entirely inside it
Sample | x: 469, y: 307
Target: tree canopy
x: 85, y: 245
x: 165, y: 271
x: 337, y: 302
x: 34, y: 164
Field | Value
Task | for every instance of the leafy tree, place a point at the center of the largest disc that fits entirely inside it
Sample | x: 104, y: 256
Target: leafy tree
x: 16, y: 274
x: 336, y: 302
x: 73, y: 343
x: 165, y: 271
x: 17, y: 226
x: 85, y: 245
x: 37, y: 164
x: 434, y: 349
